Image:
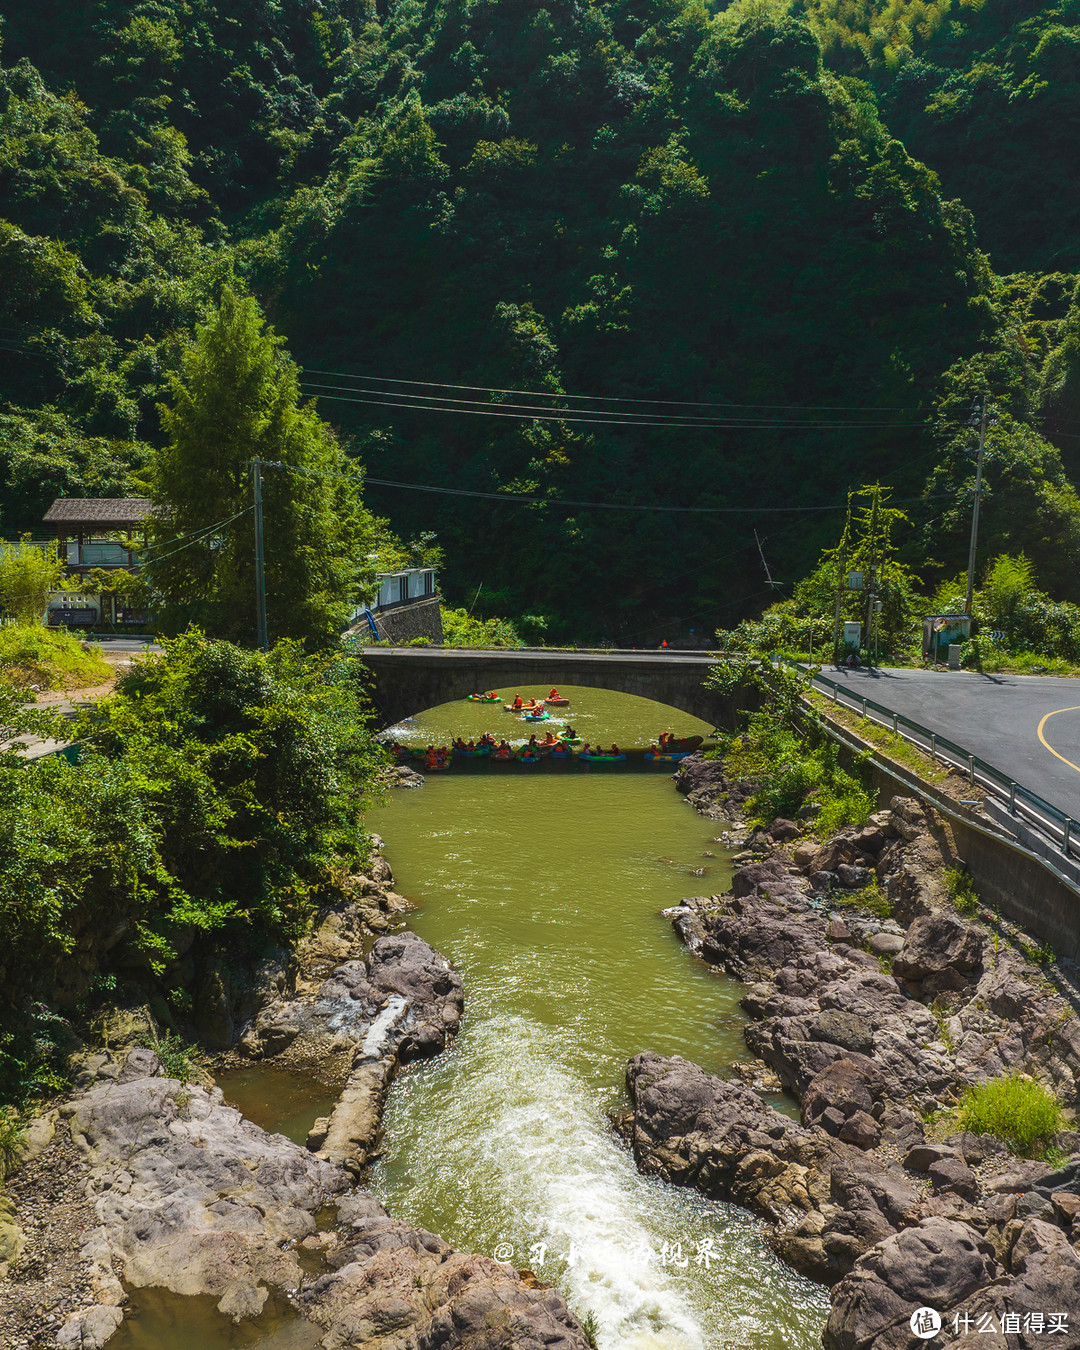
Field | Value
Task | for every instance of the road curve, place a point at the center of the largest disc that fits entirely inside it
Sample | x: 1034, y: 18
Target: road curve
x: 1027, y: 726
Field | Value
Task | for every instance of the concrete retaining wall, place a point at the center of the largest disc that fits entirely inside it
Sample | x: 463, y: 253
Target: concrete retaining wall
x: 1026, y: 888
x: 422, y: 619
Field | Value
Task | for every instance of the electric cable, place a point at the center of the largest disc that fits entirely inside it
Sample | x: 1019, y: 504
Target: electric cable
x: 603, y: 398
x: 521, y: 498
x: 607, y: 419
x: 192, y: 541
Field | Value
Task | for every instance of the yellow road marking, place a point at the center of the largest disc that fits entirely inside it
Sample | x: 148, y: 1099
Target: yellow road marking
x: 1047, y: 743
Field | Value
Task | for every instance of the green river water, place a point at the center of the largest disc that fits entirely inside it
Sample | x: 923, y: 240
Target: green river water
x: 545, y: 889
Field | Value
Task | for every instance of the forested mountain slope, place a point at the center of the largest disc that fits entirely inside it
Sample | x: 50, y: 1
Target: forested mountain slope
x: 632, y: 200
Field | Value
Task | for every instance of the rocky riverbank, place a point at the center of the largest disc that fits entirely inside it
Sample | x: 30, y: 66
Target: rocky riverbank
x: 877, y: 1004
x: 139, y: 1179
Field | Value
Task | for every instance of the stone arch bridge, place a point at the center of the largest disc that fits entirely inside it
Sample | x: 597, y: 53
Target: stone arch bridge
x: 409, y: 679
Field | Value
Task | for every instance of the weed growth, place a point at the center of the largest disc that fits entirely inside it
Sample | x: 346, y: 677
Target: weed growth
x: 12, y: 1135
x: 31, y: 654
x: 961, y: 889
x: 941, y: 1017
x: 1039, y: 953
x: 1017, y: 1110
x: 179, y: 1059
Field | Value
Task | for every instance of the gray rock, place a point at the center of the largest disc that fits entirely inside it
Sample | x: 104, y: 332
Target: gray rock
x: 885, y: 944
x: 953, y: 1176
x: 939, y: 1263
x: 937, y: 942
x: 401, y: 776
x: 208, y: 1199
x: 923, y: 1156
x: 845, y: 1029
x: 852, y: 876
x: 89, y: 1329
x: 870, y: 840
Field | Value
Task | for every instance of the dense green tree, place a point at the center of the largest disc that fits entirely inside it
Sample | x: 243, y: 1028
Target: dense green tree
x: 776, y: 204
x: 217, y: 798
x: 235, y: 399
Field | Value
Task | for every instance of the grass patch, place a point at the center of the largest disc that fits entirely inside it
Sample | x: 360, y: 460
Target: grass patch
x: 51, y: 658
x: 843, y: 804
x: 872, y: 898
x: 941, y: 1017
x: 1039, y: 953
x: 881, y: 738
x: 1019, y: 1111
x: 591, y: 1327
x: 180, y: 1060
x: 961, y: 889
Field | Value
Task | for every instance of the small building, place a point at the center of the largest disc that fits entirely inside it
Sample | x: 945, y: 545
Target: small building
x: 403, y: 606
x: 401, y: 588
x: 86, y: 528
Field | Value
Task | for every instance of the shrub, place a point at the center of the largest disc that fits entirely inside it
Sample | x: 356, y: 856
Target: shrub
x: 49, y: 658
x: 961, y: 888
x: 460, y: 629
x: 1017, y: 1110
x: 11, y: 1139
x: 844, y: 803
x: 27, y: 575
x: 180, y: 1060
x: 218, y: 792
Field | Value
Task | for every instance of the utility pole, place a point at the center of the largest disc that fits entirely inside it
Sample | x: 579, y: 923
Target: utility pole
x: 975, y: 509
x: 840, y: 580
x: 261, y: 640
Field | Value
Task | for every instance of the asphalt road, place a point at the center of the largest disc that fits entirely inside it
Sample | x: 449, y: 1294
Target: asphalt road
x: 1027, y: 726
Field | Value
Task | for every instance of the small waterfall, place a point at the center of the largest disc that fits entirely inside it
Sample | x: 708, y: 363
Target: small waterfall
x: 514, y: 1150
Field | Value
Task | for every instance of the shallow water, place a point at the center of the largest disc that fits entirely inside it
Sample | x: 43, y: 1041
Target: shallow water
x: 156, y: 1319
x: 278, y: 1100
x: 545, y: 892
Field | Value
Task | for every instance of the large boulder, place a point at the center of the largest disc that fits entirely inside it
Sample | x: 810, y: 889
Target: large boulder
x: 938, y: 942
x: 937, y: 1264
x: 192, y: 1197
x: 396, y: 1287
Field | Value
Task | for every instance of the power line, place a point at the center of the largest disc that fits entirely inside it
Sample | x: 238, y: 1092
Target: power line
x: 521, y: 498
x: 199, y: 536
x: 602, y: 398
x: 593, y: 419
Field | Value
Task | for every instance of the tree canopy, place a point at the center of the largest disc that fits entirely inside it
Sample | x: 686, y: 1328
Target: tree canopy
x: 818, y: 228
x: 235, y: 399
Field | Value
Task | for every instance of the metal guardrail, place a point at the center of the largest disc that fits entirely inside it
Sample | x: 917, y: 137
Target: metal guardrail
x: 1059, y: 829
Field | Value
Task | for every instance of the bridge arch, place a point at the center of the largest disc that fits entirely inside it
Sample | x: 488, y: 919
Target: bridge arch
x: 406, y: 680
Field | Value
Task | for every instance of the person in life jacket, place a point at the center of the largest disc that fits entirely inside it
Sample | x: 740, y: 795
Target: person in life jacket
x: 517, y: 701
x: 554, y: 694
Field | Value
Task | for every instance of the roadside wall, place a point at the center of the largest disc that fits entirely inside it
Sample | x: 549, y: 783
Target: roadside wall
x: 1027, y: 889
x: 422, y: 619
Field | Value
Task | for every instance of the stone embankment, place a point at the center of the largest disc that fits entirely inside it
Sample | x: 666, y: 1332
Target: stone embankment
x: 358, y: 1002
x: 877, y: 1025
x: 140, y: 1180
